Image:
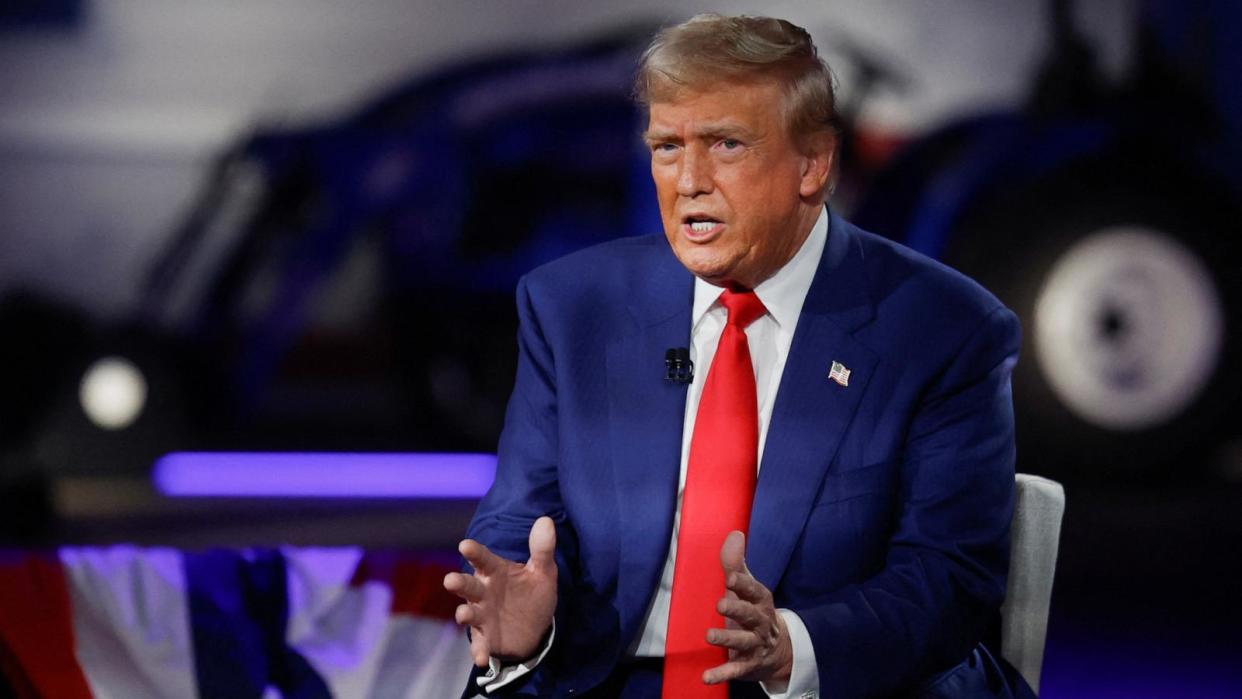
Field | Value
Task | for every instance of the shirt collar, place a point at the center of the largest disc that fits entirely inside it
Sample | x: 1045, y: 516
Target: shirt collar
x: 782, y: 293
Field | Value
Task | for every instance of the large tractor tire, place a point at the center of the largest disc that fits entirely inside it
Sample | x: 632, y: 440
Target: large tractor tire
x: 1127, y: 280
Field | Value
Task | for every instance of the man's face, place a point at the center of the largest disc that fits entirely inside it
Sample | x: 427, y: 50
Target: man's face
x: 737, y: 195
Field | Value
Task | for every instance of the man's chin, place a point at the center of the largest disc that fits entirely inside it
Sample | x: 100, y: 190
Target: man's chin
x: 714, y: 264
x: 712, y: 271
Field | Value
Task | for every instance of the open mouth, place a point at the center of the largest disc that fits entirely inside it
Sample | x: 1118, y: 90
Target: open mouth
x: 700, y: 228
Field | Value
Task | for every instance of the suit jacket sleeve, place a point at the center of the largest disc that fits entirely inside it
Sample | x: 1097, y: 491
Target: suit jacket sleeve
x: 946, y: 566
x: 526, y: 485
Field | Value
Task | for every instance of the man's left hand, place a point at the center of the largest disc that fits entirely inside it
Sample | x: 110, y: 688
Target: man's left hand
x: 755, y: 634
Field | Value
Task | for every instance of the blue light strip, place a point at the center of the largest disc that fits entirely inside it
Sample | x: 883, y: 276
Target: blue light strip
x: 323, y: 475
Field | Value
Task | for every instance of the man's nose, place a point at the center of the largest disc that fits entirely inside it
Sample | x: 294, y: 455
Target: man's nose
x: 695, y: 175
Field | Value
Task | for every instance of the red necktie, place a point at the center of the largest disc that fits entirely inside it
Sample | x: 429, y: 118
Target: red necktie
x: 720, y: 485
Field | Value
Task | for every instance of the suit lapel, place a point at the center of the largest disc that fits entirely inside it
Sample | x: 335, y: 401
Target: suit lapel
x: 812, y: 412
x: 646, y: 417
x: 810, y: 416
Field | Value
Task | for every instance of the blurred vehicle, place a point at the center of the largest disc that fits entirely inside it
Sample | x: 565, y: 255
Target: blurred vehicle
x: 349, y: 286
x: 1105, y: 216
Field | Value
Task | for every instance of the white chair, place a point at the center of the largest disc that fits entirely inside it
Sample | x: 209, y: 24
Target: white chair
x: 1036, y: 533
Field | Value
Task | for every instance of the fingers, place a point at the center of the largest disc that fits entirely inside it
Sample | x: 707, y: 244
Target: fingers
x: 753, y: 632
x: 479, y: 557
x: 757, y: 640
x: 746, y: 614
x: 479, y: 651
x: 733, y: 552
x: 542, y: 544
x: 747, y: 588
x: 467, y: 615
x: 738, y: 579
x: 465, y: 586
x: 754, y: 654
x: 739, y: 640
x: 732, y: 670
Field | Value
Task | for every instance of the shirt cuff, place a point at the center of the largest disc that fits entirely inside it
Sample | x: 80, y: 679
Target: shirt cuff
x: 804, y: 676
x: 500, y: 673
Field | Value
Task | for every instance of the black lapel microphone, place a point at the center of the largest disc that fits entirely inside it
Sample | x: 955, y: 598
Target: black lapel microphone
x: 677, y: 365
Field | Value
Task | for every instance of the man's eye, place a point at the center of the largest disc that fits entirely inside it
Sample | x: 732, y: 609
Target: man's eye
x: 664, y: 147
x: 730, y: 143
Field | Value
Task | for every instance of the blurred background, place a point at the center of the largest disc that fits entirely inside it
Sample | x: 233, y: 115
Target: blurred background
x: 296, y: 226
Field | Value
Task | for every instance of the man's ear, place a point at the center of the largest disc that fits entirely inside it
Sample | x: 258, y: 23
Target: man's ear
x: 818, y: 152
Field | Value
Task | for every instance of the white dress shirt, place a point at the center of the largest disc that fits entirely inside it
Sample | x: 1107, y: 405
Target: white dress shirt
x: 768, y: 339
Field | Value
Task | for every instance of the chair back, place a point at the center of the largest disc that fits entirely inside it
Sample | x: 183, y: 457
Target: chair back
x: 1036, y: 533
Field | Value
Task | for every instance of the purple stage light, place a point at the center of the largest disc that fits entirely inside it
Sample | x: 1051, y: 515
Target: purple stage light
x: 323, y: 475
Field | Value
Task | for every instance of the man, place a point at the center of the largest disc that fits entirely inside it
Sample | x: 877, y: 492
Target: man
x: 867, y: 387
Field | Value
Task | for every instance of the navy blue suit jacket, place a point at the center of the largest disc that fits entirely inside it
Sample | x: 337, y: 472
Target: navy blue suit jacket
x: 882, y: 510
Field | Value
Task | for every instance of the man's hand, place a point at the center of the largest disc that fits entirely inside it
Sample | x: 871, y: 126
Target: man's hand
x: 755, y: 634
x: 508, y: 606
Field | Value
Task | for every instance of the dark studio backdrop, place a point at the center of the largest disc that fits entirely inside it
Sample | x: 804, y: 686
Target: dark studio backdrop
x: 290, y: 226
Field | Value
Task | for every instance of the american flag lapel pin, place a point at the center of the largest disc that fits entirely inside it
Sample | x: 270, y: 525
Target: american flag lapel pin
x: 839, y: 373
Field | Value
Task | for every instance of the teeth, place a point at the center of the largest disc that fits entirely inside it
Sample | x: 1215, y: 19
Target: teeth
x: 702, y: 226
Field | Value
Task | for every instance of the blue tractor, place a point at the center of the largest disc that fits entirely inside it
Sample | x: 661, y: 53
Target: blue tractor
x: 1105, y: 215
x: 348, y: 285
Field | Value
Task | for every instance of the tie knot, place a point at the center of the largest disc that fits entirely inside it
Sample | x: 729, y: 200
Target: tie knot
x: 743, y: 306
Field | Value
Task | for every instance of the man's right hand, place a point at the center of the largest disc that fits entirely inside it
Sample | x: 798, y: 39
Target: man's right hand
x: 508, y: 606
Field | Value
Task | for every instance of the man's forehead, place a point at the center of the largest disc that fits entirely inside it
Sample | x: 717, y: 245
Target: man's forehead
x: 729, y: 109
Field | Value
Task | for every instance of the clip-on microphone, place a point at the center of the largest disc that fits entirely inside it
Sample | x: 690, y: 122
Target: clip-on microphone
x: 677, y: 365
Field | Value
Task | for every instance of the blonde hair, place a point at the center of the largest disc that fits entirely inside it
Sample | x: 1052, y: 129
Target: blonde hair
x: 709, y: 48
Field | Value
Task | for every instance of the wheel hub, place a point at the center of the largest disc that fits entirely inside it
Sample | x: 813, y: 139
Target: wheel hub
x: 1129, y: 327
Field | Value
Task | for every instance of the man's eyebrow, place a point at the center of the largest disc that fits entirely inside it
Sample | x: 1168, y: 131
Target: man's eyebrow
x: 706, y: 131
x: 725, y: 130
x: 659, y: 135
